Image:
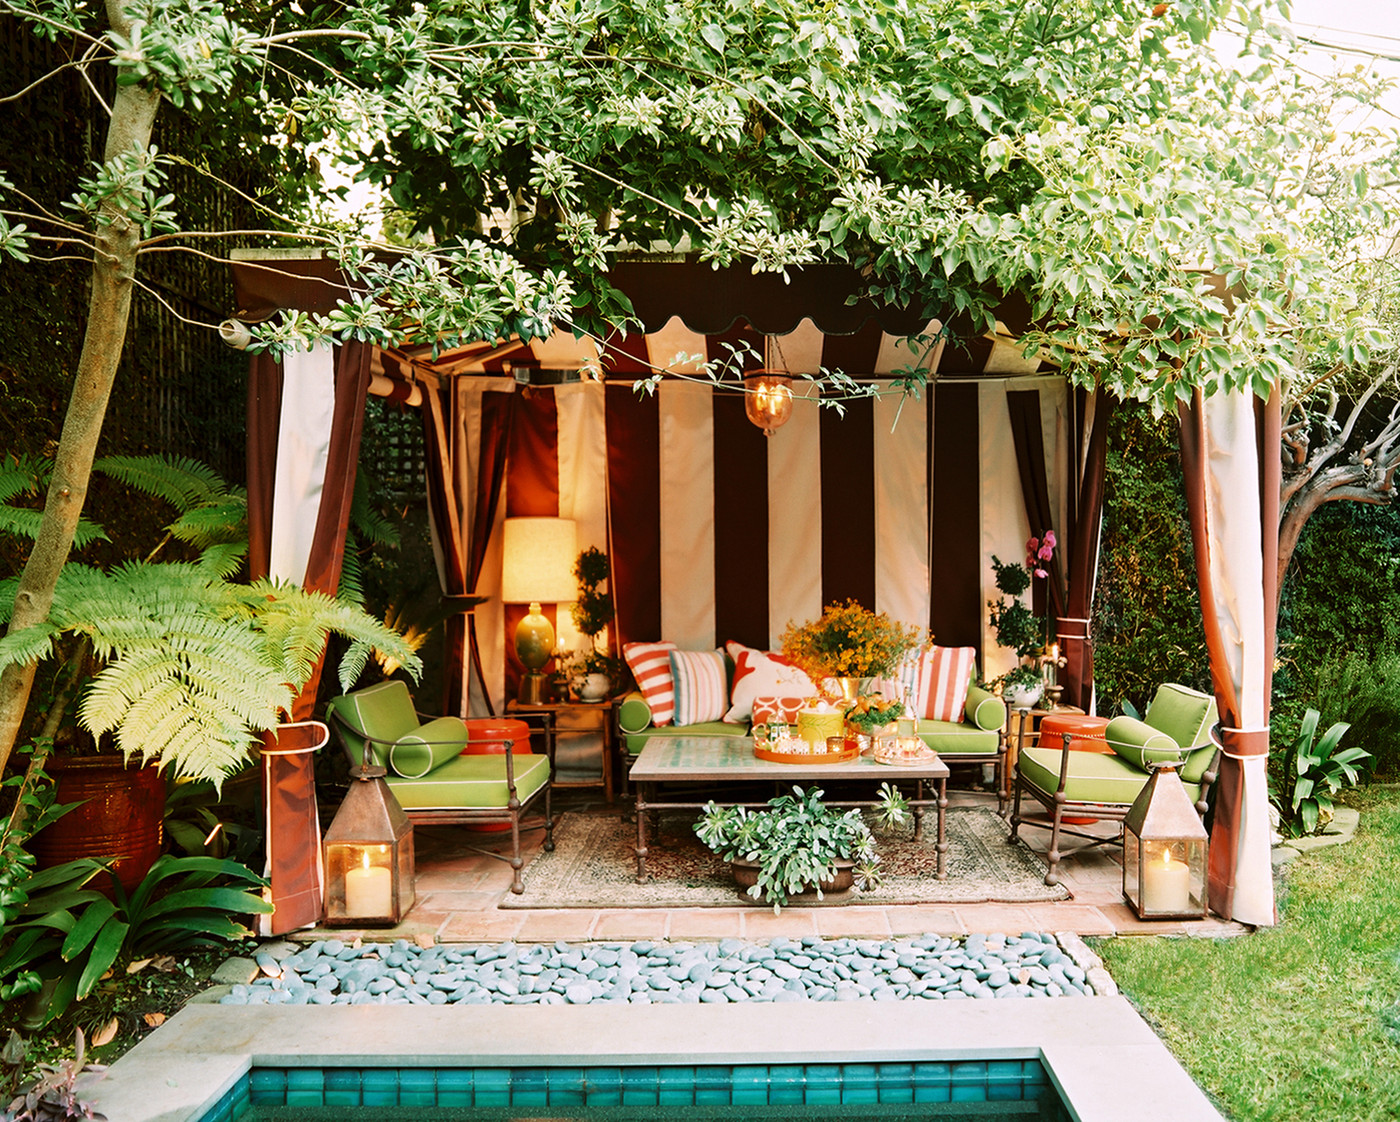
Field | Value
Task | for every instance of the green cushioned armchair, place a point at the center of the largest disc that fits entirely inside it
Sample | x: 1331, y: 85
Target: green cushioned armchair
x: 434, y: 772
x: 1093, y: 785
x: 979, y: 738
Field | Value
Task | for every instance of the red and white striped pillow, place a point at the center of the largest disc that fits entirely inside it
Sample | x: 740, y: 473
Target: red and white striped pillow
x: 701, y: 691
x: 943, y: 678
x: 650, y: 664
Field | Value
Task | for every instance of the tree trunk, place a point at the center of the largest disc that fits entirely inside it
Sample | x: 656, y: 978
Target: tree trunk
x: 109, y: 309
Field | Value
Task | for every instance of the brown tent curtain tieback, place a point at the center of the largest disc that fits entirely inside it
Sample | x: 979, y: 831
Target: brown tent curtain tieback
x: 1246, y: 743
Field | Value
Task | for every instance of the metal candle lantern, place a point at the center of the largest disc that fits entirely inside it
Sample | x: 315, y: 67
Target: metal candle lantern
x: 1164, y: 850
x: 369, y: 854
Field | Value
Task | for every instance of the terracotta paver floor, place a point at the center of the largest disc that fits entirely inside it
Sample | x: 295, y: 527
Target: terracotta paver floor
x: 458, y: 891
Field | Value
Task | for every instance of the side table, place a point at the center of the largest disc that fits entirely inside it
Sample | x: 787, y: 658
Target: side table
x: 576, y: 732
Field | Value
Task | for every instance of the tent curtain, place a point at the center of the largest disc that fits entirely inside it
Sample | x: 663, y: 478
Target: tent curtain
x: 1231, y: 463
x: 463, y: 552
x: 1072, y: 569
x: 1089, y: 449
x: 316, y: 491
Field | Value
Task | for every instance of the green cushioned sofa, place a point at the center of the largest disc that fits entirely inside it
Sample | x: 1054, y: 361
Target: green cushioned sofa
x: 433, y: 771
x: 1094, y: 785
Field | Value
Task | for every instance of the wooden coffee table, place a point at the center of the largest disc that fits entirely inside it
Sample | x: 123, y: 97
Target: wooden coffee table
x: 715, y: 761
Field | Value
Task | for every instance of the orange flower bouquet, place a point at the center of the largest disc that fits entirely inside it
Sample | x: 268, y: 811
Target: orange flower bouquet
x: 848, y: 641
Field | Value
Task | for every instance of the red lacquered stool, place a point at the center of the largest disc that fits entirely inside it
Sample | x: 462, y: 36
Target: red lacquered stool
x: 1086, y: 735
x: 489, y: 736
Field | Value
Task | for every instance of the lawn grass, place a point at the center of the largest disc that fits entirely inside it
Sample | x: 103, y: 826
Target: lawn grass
x: 1301, y: 1021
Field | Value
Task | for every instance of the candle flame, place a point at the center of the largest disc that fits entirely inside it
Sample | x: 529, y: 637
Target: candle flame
x: 364, y: 858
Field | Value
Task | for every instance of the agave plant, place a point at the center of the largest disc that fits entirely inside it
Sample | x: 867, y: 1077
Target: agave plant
x: 1316, y: 771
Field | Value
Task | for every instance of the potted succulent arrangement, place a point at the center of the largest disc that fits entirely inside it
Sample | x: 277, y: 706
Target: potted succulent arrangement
x: 846, y: 644
x: 798, y: 845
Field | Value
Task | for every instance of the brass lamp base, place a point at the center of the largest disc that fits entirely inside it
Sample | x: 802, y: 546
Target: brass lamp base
x: 532, y: 689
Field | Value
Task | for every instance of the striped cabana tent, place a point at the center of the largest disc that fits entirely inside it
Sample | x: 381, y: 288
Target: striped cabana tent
x: 714, y: 531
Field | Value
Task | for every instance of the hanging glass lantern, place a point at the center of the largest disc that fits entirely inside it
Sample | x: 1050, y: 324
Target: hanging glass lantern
x: 768, y: 399
x: 369, y: 854
x: 1164, y: 850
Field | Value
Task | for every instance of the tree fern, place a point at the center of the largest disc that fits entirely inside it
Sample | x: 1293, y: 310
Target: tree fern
x: 197, y: 665
x: 181, y: 482
x: 22, y: 476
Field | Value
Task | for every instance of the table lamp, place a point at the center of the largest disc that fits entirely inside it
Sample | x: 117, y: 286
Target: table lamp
x: 537, y: 567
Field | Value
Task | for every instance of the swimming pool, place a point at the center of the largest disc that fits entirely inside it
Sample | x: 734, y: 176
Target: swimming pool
x: 994, y: 1091
x: 1096, y: 1052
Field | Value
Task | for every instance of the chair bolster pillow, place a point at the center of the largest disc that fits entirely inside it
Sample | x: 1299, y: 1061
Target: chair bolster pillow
x: 634, y: 714
x: 1140, y: 744
x: 984, y: 709
x: 416, y: 753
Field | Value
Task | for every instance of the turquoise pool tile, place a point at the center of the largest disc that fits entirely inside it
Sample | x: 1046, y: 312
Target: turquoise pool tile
x: 787, y: 1084
x: 675, y: 1086
x: 602, y: 1086
x: 1033, y: 1074
x: 566, y: 1086
x: 823, y: 1084
x: 712, y: 1085
x: 342, y: 1087
x: 895, y: 1083
x: 268, y: 1086
x: 379, y: 1086
x: 859, y: 1084
x: 529, y: 1086
x: 1006, y: 1081
x: 932, y: 1082
x: 641, y: 1086
x: 417, y: 1086
x: 454, y: 1086
x: 748, y: 1085
x: 491, y: 1087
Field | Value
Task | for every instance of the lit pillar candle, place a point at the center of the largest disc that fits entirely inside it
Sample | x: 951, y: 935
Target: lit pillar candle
x: 369, y: 890
x: 1166, y: 886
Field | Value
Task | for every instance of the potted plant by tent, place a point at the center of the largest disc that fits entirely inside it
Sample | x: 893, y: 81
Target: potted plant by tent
x: 190, y: 665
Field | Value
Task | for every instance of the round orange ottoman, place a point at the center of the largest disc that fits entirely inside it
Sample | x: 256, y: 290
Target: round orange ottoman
x: 1086, y: 735
x: 489, y: 736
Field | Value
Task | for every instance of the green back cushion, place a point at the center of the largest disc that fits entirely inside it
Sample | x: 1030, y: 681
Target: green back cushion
x: 421, y: 751
x: 984, y: 709
x: 382, y: 712
x: 1141, y: 744
x: 1184, y: 715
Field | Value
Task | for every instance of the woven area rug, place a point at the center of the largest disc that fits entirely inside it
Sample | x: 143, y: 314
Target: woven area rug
x: 594, y: 865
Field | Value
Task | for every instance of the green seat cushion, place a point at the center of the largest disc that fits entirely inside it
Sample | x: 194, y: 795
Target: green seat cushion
x: 1140, y: 743
x: 416, y: 753
x: 1094, y: 777
x: 984, y: 709
x: 1196, y: 764
x: 384, y: 712
x: 634, y: 742
x: 949, y: 739
x: 471, y: 783
x: 1183, y: 714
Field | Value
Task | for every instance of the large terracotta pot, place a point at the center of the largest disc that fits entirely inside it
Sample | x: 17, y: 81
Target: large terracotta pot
x: 121, y: 816
x: 746, y: 876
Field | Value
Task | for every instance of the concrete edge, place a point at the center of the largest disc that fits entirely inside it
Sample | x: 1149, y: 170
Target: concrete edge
x: 183, y: 1068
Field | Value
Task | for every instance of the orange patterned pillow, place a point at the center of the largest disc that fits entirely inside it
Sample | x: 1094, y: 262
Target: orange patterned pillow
x: 650, y: 664
x: 943, y: 677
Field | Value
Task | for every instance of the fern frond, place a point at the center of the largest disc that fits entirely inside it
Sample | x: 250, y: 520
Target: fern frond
x: 30, y: 644
x: 215, y: 523
x: 353, y: 663
x: 181, y: 482
x: 351, y: 589
x: 23, y: 522
x: 367, y: 522
x: 223, y: 561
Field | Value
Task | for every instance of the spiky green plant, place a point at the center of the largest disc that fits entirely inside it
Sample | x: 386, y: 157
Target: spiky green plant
x: 197, y: 665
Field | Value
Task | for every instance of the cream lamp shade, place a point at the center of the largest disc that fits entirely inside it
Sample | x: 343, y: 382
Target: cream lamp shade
x: 537, y: 567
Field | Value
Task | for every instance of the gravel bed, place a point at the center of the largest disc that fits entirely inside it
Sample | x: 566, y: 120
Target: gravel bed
x: 928, y: 968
